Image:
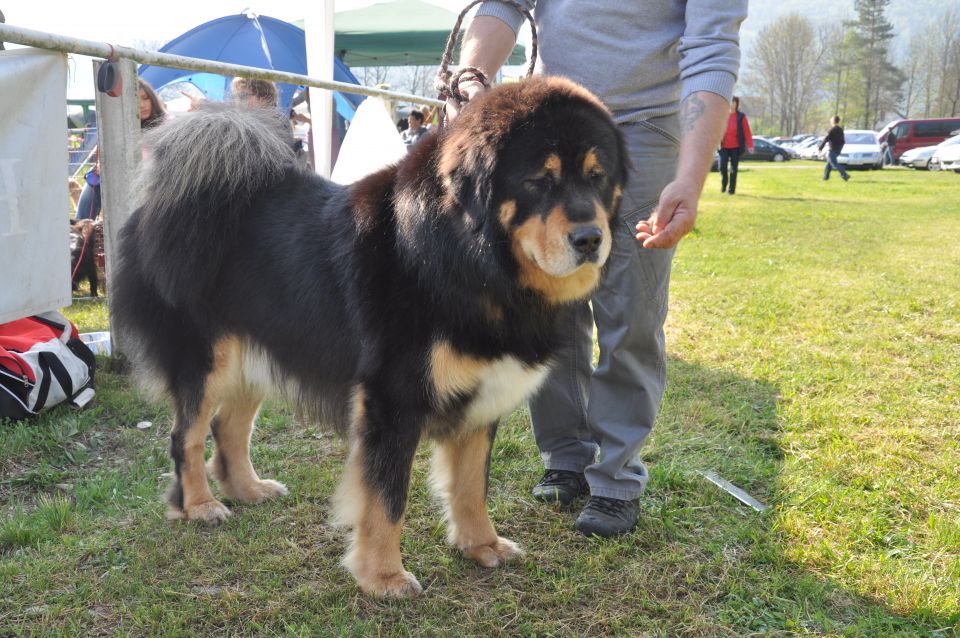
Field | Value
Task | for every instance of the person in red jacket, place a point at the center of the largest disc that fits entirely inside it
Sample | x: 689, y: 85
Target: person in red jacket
x: 736, y: 140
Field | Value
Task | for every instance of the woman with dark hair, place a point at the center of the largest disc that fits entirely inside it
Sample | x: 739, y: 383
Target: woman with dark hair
x: 152, y: 113
x: 152, y: 110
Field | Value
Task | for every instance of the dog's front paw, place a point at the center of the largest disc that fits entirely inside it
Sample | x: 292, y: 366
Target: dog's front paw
x: 255, y: 491
x: 267, y: 489
x: 401, y: 584
x: 495, y: 554
x: 212, y: 512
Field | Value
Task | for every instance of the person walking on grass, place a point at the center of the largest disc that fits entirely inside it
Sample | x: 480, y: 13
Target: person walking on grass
x: 670, y: 68
x: 836, y: 140
x: 736, y: 140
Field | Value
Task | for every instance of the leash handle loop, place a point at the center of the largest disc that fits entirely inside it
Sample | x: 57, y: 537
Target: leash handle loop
x: 448, y: 84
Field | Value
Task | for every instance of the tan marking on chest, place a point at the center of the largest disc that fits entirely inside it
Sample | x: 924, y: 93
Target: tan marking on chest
x: 496, y: 386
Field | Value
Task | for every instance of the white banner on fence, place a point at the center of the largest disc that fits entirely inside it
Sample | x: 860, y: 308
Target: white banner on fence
x: 34, y: 239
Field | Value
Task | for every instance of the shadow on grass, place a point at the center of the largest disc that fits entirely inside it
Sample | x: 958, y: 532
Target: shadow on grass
x: 721, y: 421
x: 801, y: 200
x: 699, y: 563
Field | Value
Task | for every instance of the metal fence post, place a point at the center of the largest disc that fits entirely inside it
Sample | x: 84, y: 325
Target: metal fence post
x: 118, y: 128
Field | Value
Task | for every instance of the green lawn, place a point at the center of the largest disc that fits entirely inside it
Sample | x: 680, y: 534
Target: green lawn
x: 814, y: 338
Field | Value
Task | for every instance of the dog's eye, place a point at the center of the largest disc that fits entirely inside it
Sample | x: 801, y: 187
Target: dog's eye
x: 598, y: 177
x: 538, y: 184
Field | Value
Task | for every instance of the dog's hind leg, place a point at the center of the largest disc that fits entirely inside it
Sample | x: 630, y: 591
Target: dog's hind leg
x: 93, y: 279
x: 196, y: 398
x: 460, y: 472
x: 372, y: 497
x: 230, y: 462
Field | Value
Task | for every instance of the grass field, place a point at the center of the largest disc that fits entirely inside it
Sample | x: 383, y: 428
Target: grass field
x: 814, y: 338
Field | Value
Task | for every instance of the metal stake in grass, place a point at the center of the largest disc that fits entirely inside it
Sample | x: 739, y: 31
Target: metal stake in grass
x: 734, y: 491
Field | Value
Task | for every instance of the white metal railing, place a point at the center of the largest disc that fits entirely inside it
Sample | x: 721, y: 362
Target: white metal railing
x: 118, y: 123
x: 68, y: 44
x: 80, y: 156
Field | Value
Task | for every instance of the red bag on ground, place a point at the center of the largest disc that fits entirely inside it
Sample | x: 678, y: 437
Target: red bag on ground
x: 43, y: 362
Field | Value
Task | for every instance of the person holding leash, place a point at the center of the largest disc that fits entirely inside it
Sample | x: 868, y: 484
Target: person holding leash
x: 669, y: 72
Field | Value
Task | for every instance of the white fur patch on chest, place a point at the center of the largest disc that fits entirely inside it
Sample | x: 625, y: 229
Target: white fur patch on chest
x: 503, y: 385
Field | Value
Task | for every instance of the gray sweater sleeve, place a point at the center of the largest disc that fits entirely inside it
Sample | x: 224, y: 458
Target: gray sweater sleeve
x: 710, y: 46
x: 505, y: 12
x: 650, y: 54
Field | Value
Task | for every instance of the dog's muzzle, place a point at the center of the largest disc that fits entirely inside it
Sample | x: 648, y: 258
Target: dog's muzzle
x: 586, y: 241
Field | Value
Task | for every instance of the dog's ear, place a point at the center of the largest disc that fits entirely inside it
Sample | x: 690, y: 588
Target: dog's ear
x: 467, y: 164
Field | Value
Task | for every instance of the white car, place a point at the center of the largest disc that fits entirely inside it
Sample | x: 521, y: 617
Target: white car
x: 861, y: 148
x: 807, y: 149
x: 920, y: 157
x: 947, y: 155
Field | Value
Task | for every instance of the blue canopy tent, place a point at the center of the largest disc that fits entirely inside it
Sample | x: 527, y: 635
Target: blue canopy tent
x: 251, y: 40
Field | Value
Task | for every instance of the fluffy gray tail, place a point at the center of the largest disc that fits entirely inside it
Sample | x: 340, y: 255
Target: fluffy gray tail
x: 201, y: 172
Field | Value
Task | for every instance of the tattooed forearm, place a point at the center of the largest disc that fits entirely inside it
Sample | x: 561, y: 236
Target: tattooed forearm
x: 691, y: 109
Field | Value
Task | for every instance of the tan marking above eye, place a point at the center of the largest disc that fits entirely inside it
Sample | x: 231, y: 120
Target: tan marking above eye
x: 551, y: 166
x: 507, y: 211
x: 591, y: 164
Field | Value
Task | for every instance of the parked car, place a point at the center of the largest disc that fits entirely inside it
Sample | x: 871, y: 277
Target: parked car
x: 861, y: 148
x: 946, y: 157
x: 813, y: 152
x: 920, y: 157
x: 807, y: 149
x: 916, y: 133
x: 764, y: 150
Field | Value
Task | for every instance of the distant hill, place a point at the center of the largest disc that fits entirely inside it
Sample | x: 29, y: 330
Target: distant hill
x: 907, y: 16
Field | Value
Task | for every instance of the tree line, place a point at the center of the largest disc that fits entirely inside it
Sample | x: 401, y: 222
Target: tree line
x: 800, y: 72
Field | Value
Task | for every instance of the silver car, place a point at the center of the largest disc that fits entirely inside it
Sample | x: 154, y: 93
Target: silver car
x: 921, y: 157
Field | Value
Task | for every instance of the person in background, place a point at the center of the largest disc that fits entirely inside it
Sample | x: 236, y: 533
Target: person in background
x: 255, y: 92
x: 668, y: 74
x: 889, y: 150
x: 836, y: 140
x: 151, y: 113
x: 736, y: 140
x: 415, y: 129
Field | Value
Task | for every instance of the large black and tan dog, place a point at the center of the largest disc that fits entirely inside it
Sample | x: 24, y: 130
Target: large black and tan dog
x: 422, y: 301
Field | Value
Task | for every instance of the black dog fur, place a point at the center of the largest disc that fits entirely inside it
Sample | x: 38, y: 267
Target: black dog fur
x: 424, y: 300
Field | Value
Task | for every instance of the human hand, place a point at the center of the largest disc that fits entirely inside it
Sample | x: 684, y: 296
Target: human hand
x: 195, y: 100
x: 470, y: 88
x: 674, y: 216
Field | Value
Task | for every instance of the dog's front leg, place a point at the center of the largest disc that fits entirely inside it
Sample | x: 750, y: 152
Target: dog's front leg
x: 461, y: 468
x: 373, y: 495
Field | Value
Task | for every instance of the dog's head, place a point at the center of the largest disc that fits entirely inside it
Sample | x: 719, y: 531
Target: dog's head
x: 544, y: 157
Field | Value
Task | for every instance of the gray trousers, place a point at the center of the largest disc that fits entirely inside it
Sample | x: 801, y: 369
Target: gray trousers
x: 595, y: 420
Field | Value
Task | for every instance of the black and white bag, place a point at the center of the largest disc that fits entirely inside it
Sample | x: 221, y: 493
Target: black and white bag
x: 43, y: 362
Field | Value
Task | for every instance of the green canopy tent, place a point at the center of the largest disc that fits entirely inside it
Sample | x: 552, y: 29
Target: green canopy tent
x: 397, y: 33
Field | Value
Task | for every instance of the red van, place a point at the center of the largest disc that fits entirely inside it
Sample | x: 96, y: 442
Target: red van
x: 916, y: 133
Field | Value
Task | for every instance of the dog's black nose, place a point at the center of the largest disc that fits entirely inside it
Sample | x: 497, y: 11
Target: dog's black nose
x: 586, y: 239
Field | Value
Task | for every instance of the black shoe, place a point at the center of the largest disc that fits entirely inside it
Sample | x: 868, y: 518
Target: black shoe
x: 846, y: 178
x: 560, y: 486
x: 607, y: 517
